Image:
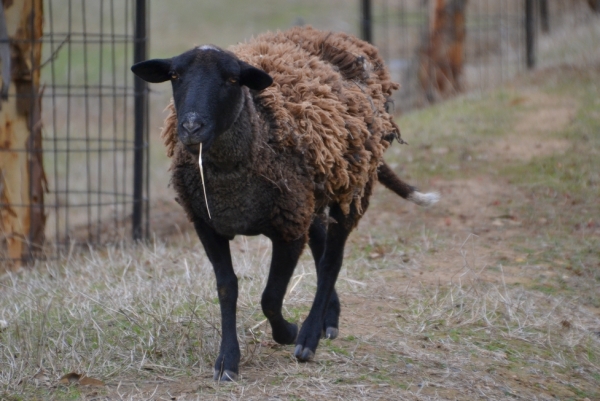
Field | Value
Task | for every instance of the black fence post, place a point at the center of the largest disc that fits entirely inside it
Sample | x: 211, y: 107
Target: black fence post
x: 140, y: 117
x: 366, y: 23
x: 544, y: 18
x: 530, y: 33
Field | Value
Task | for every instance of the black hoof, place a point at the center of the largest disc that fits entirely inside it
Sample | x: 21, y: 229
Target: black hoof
x: 331, y: 333
x: 287, y: 337
x: 303, y: 354
x: 225, y: 376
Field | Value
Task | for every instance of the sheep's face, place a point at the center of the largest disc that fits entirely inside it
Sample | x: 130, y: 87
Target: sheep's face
x: 207, y: 90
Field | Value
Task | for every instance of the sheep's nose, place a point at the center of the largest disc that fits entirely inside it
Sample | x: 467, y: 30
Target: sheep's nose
x: 191, y: 126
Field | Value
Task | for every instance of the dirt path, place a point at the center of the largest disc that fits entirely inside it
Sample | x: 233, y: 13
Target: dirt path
x: 532, y: 133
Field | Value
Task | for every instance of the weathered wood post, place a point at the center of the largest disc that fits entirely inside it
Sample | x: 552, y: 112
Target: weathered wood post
x: 22, y: 178
x: 442, y: 52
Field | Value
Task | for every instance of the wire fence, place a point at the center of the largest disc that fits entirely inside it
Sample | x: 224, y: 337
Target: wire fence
x: 93, y: 144
x: 495, y: 45
x: 84, y: 173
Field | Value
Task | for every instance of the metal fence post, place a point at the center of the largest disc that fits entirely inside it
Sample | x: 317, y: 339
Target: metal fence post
x: 544, y: 17
x: 530, y: 33
x: 366, y: 22
x: 140, y: 117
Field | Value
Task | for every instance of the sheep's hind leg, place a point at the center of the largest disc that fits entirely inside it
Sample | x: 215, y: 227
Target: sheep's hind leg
x: 284, y: 260
x: 329, y: 268
x: 317, y: 237
x: 217, y: 250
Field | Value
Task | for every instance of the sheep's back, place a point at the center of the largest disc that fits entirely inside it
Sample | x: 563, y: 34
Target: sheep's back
x: 327, y: 102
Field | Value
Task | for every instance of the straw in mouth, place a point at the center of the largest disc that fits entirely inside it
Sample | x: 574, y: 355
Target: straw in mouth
x: 202, y: 176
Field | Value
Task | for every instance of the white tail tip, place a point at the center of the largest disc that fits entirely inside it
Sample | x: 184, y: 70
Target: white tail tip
x: 421, y: 199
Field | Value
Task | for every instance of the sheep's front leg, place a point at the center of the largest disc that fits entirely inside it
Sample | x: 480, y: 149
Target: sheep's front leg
x: 284, y: 260
x: 217, y: 250
x: 317, y: 238
x: 328, y: 270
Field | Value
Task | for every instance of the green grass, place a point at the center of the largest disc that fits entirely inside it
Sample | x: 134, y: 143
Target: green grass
x: 442, y: 137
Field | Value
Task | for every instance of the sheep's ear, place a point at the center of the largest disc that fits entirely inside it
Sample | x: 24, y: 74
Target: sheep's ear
x: 154, y: 71
x: 253, y: 77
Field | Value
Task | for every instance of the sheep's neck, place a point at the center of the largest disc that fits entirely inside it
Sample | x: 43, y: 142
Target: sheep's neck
x: 232, y: 149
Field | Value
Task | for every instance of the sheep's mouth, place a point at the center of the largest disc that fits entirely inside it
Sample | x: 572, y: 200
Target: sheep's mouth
x: 193, y: 146
x: 192, y: 141
x: 193, y: 149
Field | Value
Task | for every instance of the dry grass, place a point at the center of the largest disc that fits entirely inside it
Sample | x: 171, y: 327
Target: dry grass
x: 145, y: 320
x: 202, y: 177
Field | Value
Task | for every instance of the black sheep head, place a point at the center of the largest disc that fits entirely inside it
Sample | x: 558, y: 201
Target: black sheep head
x: 207, y: 89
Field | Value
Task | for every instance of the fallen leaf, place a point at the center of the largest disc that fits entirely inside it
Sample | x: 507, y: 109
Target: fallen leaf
x: 69, y: 378
x: 73, y: 377
x: 90, y: 381
x: 516, y: 101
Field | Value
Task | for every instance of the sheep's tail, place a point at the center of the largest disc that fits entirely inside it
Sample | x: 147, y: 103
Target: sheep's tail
x: 386, y: 176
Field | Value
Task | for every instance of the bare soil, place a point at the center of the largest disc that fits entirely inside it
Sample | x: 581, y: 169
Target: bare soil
x: 531, y: 136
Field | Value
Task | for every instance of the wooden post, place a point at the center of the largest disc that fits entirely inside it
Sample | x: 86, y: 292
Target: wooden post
x: 22, y: 178
x: 442, y: 53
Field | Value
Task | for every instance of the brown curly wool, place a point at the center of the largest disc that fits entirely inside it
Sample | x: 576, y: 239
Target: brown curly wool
x: 327, y: 103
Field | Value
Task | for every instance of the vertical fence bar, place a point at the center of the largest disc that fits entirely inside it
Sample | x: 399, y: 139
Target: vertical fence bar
x: 529, y: 33
x: 146, y: 217
x: 140, y: 116
x: 366, y: 21
x: 544, y: 17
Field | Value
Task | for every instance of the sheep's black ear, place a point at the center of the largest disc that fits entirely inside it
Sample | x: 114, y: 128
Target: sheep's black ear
x: 155, y: 71
x: 253, y: 77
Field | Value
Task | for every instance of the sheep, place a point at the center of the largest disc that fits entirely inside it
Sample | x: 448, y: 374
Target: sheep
x: 291, y: 127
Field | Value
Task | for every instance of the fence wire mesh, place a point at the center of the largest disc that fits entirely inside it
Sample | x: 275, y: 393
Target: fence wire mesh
x: 89, y: 122
x: 87, y: 97
x: 494, y: 46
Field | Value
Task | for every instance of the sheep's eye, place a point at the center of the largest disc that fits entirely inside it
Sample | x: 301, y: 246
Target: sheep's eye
x: 232, y: 80
x: 173, y: 75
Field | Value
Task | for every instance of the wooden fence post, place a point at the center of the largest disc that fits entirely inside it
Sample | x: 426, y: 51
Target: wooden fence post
x: 442, y: 53
x: 22, y: 178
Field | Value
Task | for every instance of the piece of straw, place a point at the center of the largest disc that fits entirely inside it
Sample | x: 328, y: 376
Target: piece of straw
x: 202, y: 176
